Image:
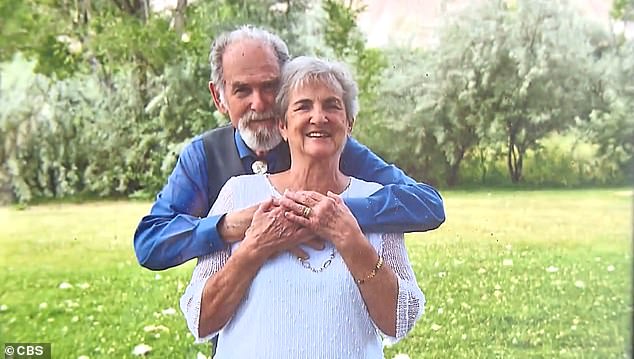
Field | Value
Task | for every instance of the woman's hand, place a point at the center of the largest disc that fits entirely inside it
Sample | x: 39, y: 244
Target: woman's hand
x: 271, y: 232
x: 327, y: 216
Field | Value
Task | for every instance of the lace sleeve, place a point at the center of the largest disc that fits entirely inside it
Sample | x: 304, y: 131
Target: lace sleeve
x: 207, y: 266
x: 410, y: 304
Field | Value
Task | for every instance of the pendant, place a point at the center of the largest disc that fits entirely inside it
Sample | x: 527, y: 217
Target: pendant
x: 259, y: 167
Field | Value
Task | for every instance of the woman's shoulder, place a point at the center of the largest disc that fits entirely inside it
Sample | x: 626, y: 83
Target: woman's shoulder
x: 243, y: 180
x: 248, y: 185
x: 361, y: 188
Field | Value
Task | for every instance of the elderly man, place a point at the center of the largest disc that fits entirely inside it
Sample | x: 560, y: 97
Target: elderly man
x: 245, y: 69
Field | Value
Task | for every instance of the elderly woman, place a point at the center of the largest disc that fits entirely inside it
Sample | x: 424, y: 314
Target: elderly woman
x: 266, y: 303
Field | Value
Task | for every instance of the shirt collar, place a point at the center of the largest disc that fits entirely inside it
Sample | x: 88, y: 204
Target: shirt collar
x: 243, y: 150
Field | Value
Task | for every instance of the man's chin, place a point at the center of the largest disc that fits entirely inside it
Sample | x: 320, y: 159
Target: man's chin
x: 264, y: 142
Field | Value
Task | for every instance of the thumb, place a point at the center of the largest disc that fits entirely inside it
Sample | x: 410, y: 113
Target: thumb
x: 265, y: 206
x: 335, y: 196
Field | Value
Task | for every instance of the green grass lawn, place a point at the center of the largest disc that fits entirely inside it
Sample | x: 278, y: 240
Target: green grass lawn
x: 509, y: 275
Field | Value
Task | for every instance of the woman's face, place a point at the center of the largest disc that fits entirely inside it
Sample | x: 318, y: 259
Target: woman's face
x: 316, y: 121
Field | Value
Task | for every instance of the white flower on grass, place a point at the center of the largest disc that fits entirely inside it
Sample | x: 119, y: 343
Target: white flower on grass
x: 65, y: 285
x: 74, y: 319
x: 157, y: 276
x: 464, y: 337
x: 83, y: 357
x: 200, y: 355
x: 4, y: 308
x: 401, y: 356
x: 43, y: 305
x: 155, y: 328
x: 141, y: 349
x: 442, y: 274
x: 552, y: 269
x: 168, y: 311
x: 611, y: 268
x: 580, y: 284
x: 507, y: 262
x: 482, y: 271
x: 435, y: 327
x: 83, y: 285
x: 440, y: 310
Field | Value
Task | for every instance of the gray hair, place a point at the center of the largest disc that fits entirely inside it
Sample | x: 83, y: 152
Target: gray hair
x: 305, y: 69
x: 220, y: 44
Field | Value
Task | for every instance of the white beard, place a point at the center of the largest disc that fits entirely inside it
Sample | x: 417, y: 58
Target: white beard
x: 263, y: 138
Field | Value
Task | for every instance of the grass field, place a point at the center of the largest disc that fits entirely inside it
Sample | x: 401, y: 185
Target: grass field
x: 509, y: 275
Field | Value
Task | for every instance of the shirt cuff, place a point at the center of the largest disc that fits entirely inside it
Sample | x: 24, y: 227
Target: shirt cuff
x: 208, y: 228
x: 362, y: 210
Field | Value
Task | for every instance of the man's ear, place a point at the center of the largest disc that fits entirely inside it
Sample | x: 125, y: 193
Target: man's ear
x: 214, y: 94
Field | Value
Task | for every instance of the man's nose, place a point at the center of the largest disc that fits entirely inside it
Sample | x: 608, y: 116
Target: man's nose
x: 259, y: 102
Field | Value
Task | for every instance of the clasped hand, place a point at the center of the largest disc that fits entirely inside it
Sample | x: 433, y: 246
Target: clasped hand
x: 283, y: 224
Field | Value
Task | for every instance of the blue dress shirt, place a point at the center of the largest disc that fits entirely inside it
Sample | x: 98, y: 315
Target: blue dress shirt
x: 178, y: 229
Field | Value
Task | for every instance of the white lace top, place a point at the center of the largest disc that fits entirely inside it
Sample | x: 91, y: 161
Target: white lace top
x: 291, y: 312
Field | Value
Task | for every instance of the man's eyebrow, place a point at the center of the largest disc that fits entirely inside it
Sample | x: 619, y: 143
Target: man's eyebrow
x: 271, y: 82
x: 238, y: 84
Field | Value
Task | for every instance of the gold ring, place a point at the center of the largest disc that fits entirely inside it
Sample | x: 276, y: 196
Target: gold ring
x: 306, y: 211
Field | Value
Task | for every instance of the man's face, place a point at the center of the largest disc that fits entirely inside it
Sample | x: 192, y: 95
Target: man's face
x: 251, y: 74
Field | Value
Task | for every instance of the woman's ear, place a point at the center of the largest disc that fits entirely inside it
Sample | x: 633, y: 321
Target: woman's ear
x: 350, y: 123
x: 281, y: 125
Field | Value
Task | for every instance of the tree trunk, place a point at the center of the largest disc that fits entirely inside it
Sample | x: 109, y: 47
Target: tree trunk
x: 514, y: 158
x: 454, y: 169
x: 483, y: 166
x: 179, y: 16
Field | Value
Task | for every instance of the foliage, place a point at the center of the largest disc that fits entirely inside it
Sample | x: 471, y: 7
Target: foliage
x: 114, y: 91
x: 537, y: 282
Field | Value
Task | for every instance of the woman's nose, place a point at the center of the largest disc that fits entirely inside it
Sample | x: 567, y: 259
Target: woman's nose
x: 318, y: 116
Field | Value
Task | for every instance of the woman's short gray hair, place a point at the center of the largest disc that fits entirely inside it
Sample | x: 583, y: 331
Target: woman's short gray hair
x: 220, y: 44
x: 305, y: 69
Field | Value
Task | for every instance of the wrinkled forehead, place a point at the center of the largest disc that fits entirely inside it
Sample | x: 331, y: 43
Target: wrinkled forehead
x: 250, y: 59
x: 326, y: 80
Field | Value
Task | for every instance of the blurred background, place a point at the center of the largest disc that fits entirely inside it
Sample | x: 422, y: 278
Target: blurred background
x: 98, y: 97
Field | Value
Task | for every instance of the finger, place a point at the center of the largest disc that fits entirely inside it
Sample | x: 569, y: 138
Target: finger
x: 299, y: 220
x: 299, y: 253
x: 295, y: 197
x: 291, y: 205
x: 264, y: 206
x: 335, y: 196
x: 313, y: 196
x: 316, y: 243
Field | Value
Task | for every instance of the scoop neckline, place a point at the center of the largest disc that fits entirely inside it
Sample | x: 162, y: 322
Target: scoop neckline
x: 278, y: 194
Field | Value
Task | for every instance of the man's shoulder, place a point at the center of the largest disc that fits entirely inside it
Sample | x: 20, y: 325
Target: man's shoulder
x: 214, y: 133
